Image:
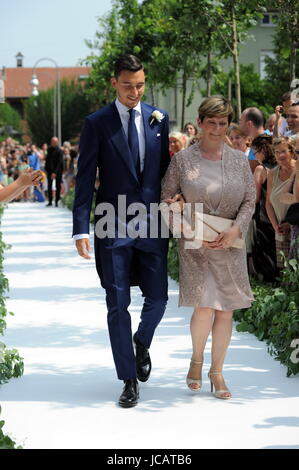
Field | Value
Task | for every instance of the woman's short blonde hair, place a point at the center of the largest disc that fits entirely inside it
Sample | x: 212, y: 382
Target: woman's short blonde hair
x: 176, y: 135
x: 215, y: 106
x: 182, y: 138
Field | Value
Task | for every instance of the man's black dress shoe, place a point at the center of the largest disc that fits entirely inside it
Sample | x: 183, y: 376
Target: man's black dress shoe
x: 143, y: 360
x: 130, y: 394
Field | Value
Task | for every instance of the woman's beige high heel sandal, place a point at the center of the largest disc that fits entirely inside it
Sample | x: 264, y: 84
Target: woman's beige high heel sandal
x: 218, y: 393
x: 194, y: 381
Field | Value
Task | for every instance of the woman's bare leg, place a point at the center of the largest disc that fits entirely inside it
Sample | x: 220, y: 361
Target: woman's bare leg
x: 200, y: 327
x: 221, y: 336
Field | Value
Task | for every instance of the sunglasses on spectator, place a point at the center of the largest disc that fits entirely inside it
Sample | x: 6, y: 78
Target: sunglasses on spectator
x: 292, y: 116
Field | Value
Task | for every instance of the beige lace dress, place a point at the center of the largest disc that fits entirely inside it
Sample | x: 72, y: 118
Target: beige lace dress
x: 216, y: 279
x: 279, y: 187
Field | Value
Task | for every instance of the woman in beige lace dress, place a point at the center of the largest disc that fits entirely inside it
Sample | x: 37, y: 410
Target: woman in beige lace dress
x: 213, y: 278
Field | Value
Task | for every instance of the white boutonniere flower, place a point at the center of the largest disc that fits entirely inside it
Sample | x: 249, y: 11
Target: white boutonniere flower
x: 156, y: 115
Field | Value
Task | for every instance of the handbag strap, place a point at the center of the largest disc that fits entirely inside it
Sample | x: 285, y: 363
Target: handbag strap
x: 210, y: 226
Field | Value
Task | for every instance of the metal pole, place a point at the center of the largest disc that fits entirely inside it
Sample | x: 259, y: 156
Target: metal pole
x: 54, y: 111
x: 58, y: 108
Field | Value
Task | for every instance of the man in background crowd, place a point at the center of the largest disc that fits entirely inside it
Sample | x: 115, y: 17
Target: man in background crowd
x: 252, y: 125
x: 54, y: 169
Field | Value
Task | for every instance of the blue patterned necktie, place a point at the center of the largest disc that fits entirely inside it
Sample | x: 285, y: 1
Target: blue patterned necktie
x: 133, y: 141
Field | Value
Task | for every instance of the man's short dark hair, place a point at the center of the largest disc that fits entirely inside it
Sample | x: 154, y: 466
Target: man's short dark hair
x: 127, y: 62
x: 286, y: 96
x: 255, y: 116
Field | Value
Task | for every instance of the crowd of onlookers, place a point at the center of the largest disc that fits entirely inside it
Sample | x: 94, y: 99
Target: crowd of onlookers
x: 15, y: 158
x: 272, y: 149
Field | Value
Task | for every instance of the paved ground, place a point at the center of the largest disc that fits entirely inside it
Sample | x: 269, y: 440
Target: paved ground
x: 67, y: 396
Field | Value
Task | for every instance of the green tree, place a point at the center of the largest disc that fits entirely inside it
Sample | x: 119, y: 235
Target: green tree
x: 283, y: 67
x: 232, y: 23
x: 114, y: 37
x: 179, y: 41
x: 75, y: 105
x: 9, y: 117
x: 288, y: 23
x: 158, y: 32
x: 254, y: 90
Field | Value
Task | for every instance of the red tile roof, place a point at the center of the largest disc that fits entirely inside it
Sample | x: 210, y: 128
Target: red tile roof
x: 17, y: 83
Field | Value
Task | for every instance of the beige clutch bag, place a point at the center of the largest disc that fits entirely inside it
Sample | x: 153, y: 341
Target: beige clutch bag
x: 213, y: 225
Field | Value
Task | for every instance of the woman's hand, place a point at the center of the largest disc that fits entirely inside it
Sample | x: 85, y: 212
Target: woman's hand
x: 29, y: 177
x: 224, y: 240
x: 284, y: 228
x: 179, y: 199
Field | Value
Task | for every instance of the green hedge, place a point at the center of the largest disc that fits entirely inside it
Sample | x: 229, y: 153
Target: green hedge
x: 11, y: 364
x: 6, y: 442
x: 274, y: 317
x: 173, y: 259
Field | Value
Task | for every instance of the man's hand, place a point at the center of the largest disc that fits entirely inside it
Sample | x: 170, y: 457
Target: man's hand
x: 83, y: 247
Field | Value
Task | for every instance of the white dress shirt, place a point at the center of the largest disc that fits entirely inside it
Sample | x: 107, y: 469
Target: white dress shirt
x: 124, y: 115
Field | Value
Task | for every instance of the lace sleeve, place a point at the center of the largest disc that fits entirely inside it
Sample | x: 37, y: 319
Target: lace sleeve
x: 171, y: 181
x: 170, y: 187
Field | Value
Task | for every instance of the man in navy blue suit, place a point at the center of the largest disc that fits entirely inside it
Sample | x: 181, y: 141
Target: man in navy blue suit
x: 127, y: 141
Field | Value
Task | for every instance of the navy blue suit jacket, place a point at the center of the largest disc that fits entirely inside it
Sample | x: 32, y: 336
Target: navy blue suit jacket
x: 103, y: 145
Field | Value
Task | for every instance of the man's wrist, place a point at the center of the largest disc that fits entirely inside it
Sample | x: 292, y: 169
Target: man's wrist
x: 79, y: 236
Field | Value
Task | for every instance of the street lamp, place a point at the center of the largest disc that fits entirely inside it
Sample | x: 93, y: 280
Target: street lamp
x: 35, y: 83
x: 35, y: 91
x: 57, y: 98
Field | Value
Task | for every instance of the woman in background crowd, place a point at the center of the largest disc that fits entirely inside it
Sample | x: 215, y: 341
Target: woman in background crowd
x: 177, y: 141
x: 279, y: 182
x: 190, y: 129
x: 263, y: 235
x: 293, y: 198
x: 237, y: 139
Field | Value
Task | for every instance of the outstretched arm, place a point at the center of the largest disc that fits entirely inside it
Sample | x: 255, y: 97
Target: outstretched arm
x: 26, y: 179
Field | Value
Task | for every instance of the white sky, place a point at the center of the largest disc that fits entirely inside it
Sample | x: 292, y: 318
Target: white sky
x: 48, y: 28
